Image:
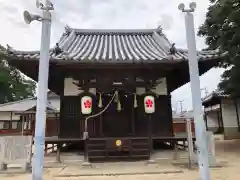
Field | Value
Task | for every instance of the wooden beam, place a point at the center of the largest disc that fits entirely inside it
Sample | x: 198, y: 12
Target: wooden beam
x: 111, y: 84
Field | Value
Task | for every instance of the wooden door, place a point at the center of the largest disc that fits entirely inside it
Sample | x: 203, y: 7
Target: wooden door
x: 70, y: 117
x: 117, y: 123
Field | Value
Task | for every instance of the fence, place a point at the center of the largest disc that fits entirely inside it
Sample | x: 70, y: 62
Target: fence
x: 15, y: 149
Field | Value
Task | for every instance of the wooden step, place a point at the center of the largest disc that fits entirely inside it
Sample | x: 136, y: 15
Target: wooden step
x: 131, y: 148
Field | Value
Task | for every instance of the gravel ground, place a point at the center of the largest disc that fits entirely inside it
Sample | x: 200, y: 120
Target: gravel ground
x: 225, y: 151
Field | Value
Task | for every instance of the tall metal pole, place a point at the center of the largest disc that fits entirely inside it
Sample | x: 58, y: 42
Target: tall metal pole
x: 181, y: 106
x: 38, y: 160
x: 200, y: 128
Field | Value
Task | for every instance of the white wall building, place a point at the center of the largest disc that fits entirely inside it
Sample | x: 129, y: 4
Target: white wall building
x: 10, y: 113
x: 222, y: 114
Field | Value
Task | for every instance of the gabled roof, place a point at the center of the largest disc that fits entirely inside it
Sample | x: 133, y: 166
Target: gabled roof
x: 114, y: 46
x: 18, y: 106
x: 49, y: 108
x: 27, y: 104
x: 215, y: 94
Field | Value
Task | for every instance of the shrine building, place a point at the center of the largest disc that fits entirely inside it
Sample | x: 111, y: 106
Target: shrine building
x: 121, y: 80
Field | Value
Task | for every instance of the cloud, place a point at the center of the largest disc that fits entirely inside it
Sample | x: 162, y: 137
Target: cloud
x: 113, y: 14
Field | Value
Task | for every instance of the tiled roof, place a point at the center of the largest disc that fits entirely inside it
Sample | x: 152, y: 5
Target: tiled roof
x: 29, y: 103
x: 122, y: 46
x: 18, y: 106
x: 214, y: 94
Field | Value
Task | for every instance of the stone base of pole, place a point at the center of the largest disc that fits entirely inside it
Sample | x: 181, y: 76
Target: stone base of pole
x: 27, y: 167
x: 58, y: 158
x: 151, y: 161
x: 86, y: 164
x: 3, y: 166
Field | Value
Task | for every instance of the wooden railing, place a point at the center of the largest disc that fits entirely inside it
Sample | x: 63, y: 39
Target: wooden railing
x: 180, y: 127
x: 15, y: 132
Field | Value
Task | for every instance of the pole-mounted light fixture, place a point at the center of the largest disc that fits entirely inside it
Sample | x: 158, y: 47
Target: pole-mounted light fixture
x: 28, y: 17
x: 200, y: 128
x: 192, y: 7
x: 39, y: 139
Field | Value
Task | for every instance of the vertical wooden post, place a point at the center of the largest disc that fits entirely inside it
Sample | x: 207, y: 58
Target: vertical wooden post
x: 53, y: 147
x: 221, y: 117
x: 101, y: 118
x: 237, y: 113
x: 31, y: 147
x: 150, y: 134
x: 206, y: 119
x: 175, y: 154
x: 58, y: 158
x: 190, y: 141
x: 46, y: 148
x: 101, y: 129
x: 133, y: 119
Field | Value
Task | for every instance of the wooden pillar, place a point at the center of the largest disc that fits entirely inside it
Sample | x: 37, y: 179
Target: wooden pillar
x: 58, y: 158
x: 100, y: 126
x: 133, y: 117
x: 221, y: 117
x: 175, y: 154
x: 101, y: 115
x: 150, y: 134
x: 58, y: 119
x: 205, y: 119
x: 46, y: 148
x: 58, y: 123
x: 237, y: 113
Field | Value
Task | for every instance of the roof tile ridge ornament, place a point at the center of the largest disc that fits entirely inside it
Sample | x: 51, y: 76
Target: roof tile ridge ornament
x: 9, y: 50
x: 173, y: 49
x: 58, y: 51
x: 68, y: 30
x: 162, y: 41
x: 159, y: 30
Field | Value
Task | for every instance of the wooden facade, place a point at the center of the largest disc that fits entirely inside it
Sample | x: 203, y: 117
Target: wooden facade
x: 26, y: 125
x: 98, y: 63
x: 133, y: 121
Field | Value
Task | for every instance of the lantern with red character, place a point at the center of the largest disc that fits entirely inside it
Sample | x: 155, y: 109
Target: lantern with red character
x: 149, y: 104
x: 86, y: 105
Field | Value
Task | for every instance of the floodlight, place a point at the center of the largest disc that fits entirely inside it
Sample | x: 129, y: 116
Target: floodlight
x: 181, y: 7
x: 192, y: 5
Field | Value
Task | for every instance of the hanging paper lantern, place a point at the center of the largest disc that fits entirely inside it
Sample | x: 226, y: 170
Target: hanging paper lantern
x: 86, y: 105
x: 149, y: 104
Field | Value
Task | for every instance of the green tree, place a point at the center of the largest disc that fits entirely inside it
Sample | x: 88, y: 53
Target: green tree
x: 222, y: 31
x: 13, y: 85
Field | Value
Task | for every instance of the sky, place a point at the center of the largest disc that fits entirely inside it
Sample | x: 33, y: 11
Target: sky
x: 108, y: 14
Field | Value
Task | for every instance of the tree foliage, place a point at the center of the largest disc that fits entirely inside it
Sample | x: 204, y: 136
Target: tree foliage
x: 13, y: 85
x: 222, y: 31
